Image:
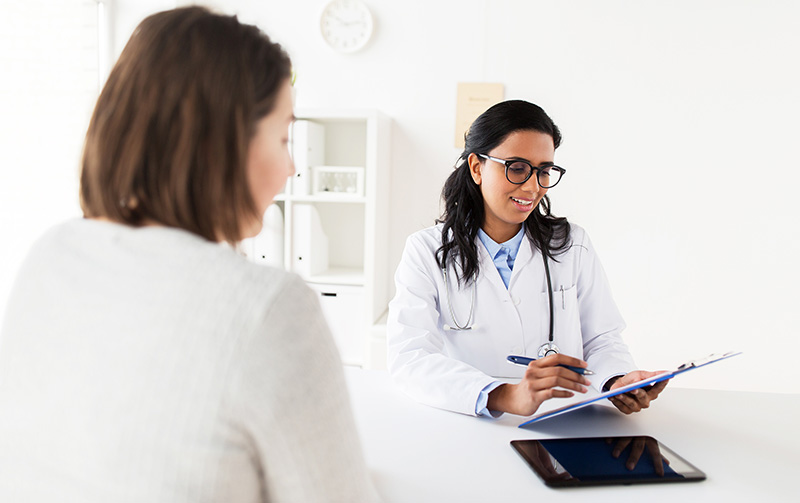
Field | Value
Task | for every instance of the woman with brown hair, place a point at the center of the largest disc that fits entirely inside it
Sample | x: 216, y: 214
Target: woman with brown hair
x: 143, y: 361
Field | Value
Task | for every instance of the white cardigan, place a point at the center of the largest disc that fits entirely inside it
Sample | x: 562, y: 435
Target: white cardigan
x: 151, y: 365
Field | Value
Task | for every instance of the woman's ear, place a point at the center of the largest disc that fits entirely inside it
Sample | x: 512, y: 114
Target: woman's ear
x: 475, y: 168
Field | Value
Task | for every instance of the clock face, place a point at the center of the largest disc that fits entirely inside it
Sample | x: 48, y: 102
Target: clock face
x: 346, y: 25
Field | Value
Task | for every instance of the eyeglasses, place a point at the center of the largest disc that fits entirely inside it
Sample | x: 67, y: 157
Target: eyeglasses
x: 519, y: 171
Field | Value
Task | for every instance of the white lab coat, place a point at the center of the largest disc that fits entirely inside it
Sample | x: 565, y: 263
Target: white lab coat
x: 448, y: 368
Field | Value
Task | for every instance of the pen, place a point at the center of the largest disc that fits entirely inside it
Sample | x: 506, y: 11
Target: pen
x: 524, y: 360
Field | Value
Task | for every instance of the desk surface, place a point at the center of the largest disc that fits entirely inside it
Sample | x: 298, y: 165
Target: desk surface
x: 746, y: 443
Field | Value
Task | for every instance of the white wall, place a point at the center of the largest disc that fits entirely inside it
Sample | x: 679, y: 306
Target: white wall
x: 679, y: 123
x: 48, y: 85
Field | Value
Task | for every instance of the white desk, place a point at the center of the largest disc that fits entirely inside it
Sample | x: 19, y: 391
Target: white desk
x: 748, y: 444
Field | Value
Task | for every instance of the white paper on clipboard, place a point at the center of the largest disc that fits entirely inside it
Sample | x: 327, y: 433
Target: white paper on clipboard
x: 693, y: 364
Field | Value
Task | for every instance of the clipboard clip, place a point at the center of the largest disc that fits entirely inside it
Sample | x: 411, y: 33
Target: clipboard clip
x: 708, y: 359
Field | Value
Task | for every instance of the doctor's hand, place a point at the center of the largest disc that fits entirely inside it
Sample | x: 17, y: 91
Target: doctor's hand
x: 543, y: 380
x: 639, y: 399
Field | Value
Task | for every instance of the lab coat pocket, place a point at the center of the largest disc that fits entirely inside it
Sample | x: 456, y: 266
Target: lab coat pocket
x: 566, y: 316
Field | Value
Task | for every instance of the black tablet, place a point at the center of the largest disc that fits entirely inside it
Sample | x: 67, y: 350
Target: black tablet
x: 569, y: 462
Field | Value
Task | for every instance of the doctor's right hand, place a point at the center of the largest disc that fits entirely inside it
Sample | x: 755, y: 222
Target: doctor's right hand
x: 543, y: 379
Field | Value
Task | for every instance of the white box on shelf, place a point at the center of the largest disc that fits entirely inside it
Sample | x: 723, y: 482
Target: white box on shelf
x: 308, y: 150
x: 268, y: 244
x: 338, y: 180
x: 309, y: 243
x: 345, y: 311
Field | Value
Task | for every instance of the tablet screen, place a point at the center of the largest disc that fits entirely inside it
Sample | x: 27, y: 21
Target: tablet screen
x: 567, y: 462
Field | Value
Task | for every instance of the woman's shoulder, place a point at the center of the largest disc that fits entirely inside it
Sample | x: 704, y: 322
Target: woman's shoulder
x: 257, y: 280
x: 178, y: 256
x: 579, y: 242
x: 428, y: 237
x: 577, y: 234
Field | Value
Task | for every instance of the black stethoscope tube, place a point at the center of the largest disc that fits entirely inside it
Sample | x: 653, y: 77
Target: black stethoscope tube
x: 549, y: 294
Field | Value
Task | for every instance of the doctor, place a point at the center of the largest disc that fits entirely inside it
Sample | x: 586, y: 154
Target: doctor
x: 500, y: 275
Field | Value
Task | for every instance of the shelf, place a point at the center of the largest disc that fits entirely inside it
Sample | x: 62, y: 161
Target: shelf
x: 336, y: 115
x: 343, y: 234
x: 339, y: 276
x: 321, y: 198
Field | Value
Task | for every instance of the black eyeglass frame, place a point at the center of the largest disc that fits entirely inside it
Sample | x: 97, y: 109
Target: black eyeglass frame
x: 534, y: 169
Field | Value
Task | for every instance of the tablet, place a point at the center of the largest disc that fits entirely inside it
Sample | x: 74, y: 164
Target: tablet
x: 570, y: 462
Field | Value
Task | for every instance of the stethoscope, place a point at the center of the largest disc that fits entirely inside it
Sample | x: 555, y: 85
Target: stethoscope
x: 546, y: 349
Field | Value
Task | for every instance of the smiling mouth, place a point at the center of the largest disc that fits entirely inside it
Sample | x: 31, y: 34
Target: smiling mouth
x: 522, y: 202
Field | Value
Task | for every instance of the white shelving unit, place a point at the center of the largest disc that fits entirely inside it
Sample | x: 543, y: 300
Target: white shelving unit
x: 336, y: 237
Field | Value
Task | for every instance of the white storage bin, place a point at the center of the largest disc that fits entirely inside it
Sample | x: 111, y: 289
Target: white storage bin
x: 344, y: 309
x: 309, y: 243
x: 308, y: 150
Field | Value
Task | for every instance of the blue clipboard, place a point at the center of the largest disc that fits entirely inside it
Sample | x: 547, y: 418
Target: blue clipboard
x: 691, y: 365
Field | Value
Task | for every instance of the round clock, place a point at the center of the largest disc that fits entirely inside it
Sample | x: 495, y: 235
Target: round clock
x: 346, y: 25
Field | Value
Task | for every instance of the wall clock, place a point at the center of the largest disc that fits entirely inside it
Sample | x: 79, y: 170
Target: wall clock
x: 346, y: 25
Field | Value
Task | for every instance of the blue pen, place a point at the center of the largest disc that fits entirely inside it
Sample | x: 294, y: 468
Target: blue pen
x: 524, y: 360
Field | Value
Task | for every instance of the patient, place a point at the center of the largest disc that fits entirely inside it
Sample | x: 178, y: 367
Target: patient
x: 141, y: 359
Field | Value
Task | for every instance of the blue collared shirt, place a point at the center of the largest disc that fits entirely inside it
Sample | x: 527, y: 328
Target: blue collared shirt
x: 503, y: 254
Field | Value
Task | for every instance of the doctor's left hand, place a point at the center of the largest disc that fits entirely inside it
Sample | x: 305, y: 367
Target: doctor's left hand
x: 639, y: 399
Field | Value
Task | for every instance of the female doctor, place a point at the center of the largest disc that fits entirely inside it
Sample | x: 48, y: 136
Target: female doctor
x: 499, y: 276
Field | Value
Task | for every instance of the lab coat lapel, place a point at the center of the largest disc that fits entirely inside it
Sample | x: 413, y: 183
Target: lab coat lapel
x: 488, y: 269
x: 525, y: 256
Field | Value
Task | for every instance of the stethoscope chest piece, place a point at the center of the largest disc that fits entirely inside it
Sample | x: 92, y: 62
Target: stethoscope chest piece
x: 547, y: 349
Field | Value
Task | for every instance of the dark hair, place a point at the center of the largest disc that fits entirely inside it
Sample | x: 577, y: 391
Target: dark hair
x: 464, y: 208
x: 169, y: 136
